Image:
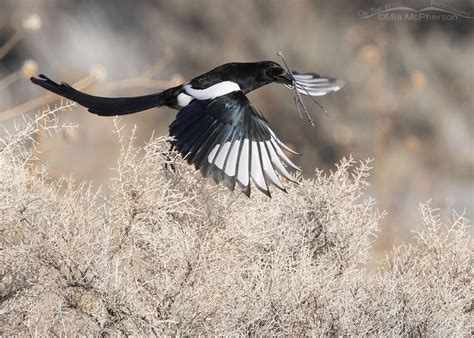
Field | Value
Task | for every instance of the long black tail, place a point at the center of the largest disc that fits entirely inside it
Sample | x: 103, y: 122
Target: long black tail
x: 104, y: 106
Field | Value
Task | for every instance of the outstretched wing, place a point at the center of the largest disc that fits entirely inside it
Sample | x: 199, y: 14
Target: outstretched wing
x: 316, y: 85
x: 227, y: 138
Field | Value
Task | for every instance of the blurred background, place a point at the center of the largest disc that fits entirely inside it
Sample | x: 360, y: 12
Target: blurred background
x: 408, y: 103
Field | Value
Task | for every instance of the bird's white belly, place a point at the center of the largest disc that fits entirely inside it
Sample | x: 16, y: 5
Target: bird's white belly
x: 184, y: 99
x: 209, y: 93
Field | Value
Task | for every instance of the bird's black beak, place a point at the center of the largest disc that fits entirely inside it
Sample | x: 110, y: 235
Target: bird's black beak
x: 284, y: 79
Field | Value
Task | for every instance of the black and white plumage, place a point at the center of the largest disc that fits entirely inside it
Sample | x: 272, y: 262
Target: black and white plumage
x: 316, y: 85
x: 217, y: 129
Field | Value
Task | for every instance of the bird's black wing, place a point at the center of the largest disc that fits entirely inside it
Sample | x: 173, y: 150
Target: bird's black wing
x: 227, y: 138
x: 316, y: 85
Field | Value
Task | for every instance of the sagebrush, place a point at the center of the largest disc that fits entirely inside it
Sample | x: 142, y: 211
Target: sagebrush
x: 167, y: 252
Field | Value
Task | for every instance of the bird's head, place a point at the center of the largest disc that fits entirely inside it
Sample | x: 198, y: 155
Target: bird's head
x: 272, y: 72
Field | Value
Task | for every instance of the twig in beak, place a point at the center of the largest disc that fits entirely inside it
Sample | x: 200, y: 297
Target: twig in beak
x: 315, y: 101
x: 297, y: 96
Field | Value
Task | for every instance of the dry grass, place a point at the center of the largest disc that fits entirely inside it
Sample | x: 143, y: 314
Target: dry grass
x: 397, y: 107
x: 168, y: 253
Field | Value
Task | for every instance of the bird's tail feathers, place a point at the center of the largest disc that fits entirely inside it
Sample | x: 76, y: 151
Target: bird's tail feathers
x: 103, y: 106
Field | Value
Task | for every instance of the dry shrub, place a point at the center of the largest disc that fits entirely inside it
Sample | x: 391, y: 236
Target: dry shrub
x: 165, y: 252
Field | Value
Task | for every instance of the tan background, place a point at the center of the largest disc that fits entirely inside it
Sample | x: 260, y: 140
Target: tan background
x: 408, y: 103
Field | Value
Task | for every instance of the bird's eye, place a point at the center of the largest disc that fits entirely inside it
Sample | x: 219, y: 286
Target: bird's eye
x: 274, y: 71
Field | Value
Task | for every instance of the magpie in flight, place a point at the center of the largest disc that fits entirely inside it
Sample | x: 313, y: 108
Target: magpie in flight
x: 217, y: 129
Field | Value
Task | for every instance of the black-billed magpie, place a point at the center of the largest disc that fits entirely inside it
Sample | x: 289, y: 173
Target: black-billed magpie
x: 217, y: 129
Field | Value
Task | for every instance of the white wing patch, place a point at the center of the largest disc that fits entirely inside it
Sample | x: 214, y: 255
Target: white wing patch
x: 283, y: 156
x: 308, y: 84
x: 231, y: 164
x: 243, y: 172
x: 212, y: 154
x: 268, y: 167
x: 277, y: 163
x: 303, y: 76
x: 219, y: 89
x: 260, y: 161
x: 256, y: 170
x: 220, y: 159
